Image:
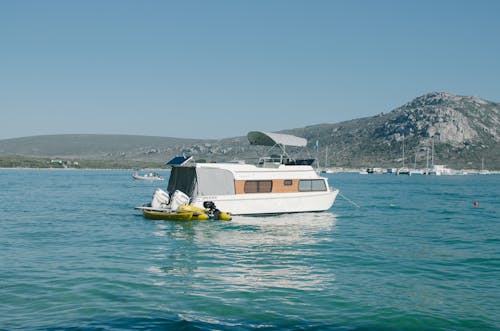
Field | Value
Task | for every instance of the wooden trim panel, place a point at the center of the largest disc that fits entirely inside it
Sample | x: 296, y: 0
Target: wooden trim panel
x: 278, y: 186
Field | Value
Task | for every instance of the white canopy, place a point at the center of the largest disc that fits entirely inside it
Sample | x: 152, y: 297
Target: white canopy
x: 271, y: 139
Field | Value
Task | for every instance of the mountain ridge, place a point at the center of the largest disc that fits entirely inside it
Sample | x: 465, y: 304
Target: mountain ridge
x: 464, y: 129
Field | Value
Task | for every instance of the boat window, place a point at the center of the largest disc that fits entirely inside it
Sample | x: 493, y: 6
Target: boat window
x: 265, y: 186
x: 258, y: 186
x: 287, y: 182
x: 214, y: 181
x: 312, y: 185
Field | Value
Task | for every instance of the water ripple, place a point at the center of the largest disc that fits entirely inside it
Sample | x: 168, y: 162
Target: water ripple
x: 416, y: 255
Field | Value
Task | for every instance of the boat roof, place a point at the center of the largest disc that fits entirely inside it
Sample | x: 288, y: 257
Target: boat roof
x: 251, y: 171
x: 272, y: 139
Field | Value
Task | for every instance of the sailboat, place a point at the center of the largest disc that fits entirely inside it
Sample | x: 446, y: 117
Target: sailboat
x: 403, y: 170
x: 415, y: 170
x: 326, y: 169
x: 437, y: 169
x: 483, y: 171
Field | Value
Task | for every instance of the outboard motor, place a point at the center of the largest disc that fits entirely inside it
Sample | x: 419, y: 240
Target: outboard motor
x: 160, y: 199
x: 213, y: 212
x: 178, y: 199
x: 209, y: 205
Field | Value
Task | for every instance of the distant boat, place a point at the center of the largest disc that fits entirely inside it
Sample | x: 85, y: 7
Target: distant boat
x: 391, y: 171
x: 483, y: 171
x: 374, y: 170
x: 415, y: 170
x: 151, y: 176
x: 403, y: 170
x: 440, y: 170
x: 326, y: 169
x: 437, y: 169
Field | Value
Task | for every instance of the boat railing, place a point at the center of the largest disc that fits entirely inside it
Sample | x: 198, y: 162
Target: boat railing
x: 270, y: 162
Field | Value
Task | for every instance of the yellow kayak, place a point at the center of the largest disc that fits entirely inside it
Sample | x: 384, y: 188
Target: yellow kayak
x: 223, y: 216
x: 204, y: 212
x: 184, y: 213
x: 162, y: 215
x: 191, y: 209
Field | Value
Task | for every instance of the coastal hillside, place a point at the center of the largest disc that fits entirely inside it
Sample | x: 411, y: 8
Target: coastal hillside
x: 98, y: 147
x: 464, y: 130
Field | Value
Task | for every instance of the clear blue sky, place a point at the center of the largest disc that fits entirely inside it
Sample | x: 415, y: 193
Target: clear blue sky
x: 216, y: 69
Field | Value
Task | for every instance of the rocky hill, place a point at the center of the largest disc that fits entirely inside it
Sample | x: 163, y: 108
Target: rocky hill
x: 463, y: 130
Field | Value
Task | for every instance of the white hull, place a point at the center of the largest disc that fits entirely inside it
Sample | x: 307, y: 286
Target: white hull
x: 147, y: 178
x: 271, y: 203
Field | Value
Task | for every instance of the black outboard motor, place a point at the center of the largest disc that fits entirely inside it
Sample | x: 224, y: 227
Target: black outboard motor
x: 213, y: 212
x: 209, y: 205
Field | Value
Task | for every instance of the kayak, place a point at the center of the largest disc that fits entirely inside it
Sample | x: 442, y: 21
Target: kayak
x: 183, y: 213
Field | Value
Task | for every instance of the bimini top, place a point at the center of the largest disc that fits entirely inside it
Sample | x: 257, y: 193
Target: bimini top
x: 272, y: 139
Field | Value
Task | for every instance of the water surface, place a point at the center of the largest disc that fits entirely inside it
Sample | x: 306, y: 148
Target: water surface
x: 415, y: 255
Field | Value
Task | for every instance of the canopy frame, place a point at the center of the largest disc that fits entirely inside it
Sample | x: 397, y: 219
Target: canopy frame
x: 280, y: 140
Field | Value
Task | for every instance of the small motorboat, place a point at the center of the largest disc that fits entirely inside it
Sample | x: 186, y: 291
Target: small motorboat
x: 151, y: 176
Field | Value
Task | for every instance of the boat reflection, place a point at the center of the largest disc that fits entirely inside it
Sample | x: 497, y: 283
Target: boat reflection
x: 248, y: 253
x: 280, y: 229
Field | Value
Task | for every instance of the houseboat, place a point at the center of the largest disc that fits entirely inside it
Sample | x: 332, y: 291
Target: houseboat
x: 274, y: 185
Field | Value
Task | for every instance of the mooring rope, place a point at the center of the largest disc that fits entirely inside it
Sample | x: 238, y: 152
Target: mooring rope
x: 349, y: 200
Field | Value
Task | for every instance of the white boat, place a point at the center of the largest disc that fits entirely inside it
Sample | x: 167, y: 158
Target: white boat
x: 376, y: 171
x: 439, y: 170
x: 403, y: 170
x: 416, y: 171
x: 483, y: 171
x: 275, y: 185
x: 151, y: 176
x: 391, y: 170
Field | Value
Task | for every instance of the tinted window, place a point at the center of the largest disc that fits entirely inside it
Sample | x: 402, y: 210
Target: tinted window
x: 265, y: 186
x: 318, y: 185
x: 258, y: 186
x: 312, y: 185
x: 251, y: 187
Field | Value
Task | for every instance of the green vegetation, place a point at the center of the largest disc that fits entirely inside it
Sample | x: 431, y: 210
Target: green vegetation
x: 37, y: 162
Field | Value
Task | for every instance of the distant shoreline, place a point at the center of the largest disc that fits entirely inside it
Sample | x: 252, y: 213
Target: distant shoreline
x: 461, y: 172
x: 86, y: 169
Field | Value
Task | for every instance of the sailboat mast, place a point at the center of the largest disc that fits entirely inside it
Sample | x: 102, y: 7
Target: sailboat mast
x: 427, y: 162
x: 432, y: 155
x: 403, y: 150
x: 326, y: 156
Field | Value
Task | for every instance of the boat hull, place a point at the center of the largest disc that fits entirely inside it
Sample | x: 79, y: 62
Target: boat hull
x: 273, y: 203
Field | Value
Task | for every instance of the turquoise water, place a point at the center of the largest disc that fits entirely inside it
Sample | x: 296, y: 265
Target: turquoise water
x: 416, y: 255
